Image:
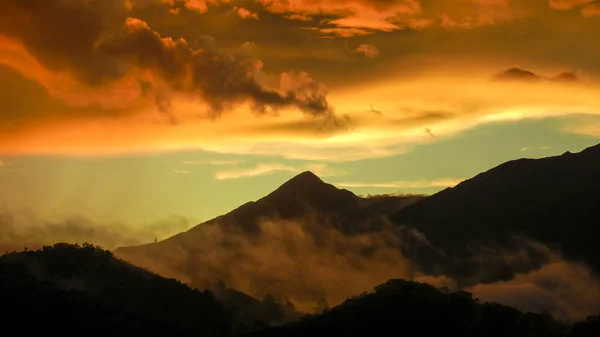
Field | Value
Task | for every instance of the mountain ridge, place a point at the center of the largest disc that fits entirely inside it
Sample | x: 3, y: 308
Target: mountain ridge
x: 551, y: 200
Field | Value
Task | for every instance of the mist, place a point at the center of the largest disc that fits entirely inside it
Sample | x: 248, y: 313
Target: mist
x: 20, y: 230
x: 308, y: 263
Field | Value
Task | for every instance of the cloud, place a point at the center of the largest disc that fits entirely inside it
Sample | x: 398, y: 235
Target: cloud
x: 100, y: 46
x: 368, y: 50
x: 588, y: 8
x: 344, y: 31
x: 565, y: 76
x: 321, y: 170
x: 568, y: 4
x: 447, y: 107
x: 260, y: 169
x: 106, y: 95
x: 585, y: 125
x: 301, y: 260
x: 517, y: 74
x: 350, y: 14
x: 199, y: 6
x: 363, y: 17
x: 534, y: 148
x: 196, y: 6
x: 305, y: 259
x: 246, y: 14
x: 210, y: 162
x: 446, y: 182
x: 23, y: 229
x: 184, y: 172
x: 593, y: 9
x: 568, y: 290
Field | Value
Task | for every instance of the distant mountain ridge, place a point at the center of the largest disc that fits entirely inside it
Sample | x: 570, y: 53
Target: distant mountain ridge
x: 552, y: 200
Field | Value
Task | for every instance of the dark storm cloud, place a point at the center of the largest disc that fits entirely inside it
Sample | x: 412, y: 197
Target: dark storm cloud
x: 522, y: 75
x: 517, y: 74
x: 98, y: 43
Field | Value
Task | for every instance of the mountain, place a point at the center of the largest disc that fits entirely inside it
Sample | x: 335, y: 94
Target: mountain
x: 551, y: 200
x: 72, y: 290
x: 294, y: 242
x: 307, y: 195
x: 405, y: 308
x: 303, y: 214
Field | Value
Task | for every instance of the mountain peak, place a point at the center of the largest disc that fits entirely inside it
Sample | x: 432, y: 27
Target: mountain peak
x: 303, y: 183
x: 306, y: 187
x: 306, y: 177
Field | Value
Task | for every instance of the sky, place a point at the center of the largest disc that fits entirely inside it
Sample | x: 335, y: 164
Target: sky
x: 155, y: 115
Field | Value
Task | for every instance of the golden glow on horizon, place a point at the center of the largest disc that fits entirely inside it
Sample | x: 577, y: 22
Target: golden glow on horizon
x: 402, y: 113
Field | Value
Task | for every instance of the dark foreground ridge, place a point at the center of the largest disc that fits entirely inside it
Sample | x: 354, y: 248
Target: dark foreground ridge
x: 70, y: 290
x: 406, y: 308
x: 82, y: 290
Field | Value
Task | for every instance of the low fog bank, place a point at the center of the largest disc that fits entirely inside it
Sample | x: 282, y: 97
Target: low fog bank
x: 310, y: 265
x: 20, y: 230
x: 304, y: 261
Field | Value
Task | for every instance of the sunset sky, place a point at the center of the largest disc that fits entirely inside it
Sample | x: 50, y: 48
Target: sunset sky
x: 133, y: 111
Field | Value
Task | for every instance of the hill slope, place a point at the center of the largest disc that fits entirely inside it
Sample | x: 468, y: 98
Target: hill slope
x: 415, y: 309
x: 74, y: 290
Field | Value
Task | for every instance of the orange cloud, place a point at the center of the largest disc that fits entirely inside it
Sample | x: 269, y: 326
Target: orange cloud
x: 588, y: 8
x: 593, y: 9
x: 199, y: 6
x: 564, y: 5
x: 128, y: 64
x: 368, y: 50
x: 367, y: 16
x: 445, y: 107
x: 246, y: 14
x: 375, y: 15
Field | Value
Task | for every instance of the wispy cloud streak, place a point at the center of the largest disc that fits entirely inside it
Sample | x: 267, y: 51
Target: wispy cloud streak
x: 446, y: 182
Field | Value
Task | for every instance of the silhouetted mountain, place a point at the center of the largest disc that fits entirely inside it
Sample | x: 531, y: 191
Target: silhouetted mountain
x: 307, y: 195
x: 71, y: 290
x: 551, y: 200
x: 416, y: 309
x: 305, y: 199
x: 588, y: 328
